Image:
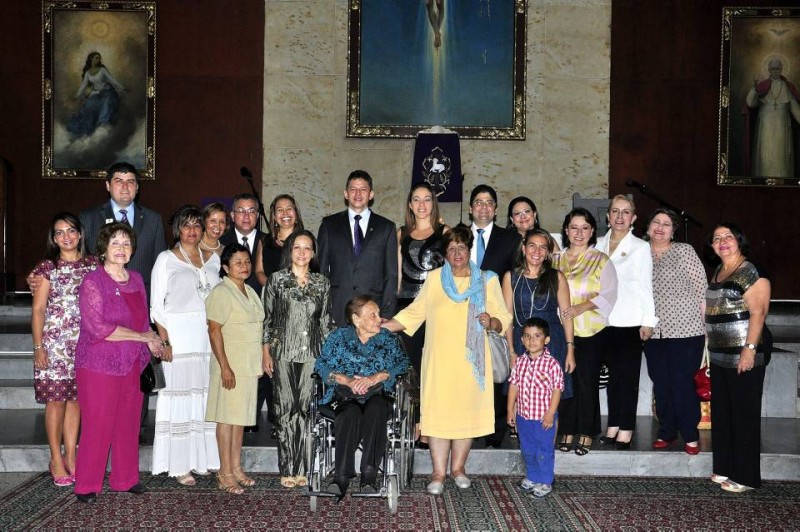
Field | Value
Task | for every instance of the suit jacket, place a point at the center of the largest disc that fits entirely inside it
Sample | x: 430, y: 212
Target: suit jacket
x: 230, y: 238
x: 373, y: 273
x: 149, y: 231
x: 501, y: 251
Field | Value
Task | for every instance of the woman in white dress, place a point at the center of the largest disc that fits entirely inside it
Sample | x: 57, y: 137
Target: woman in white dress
x: 182, y: 278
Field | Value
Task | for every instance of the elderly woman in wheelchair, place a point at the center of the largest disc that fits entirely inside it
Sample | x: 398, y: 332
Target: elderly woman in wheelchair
x: 360, y: 364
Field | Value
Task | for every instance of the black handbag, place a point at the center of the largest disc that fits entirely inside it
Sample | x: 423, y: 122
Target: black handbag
x: 344, y: 392
x: 152, y: 378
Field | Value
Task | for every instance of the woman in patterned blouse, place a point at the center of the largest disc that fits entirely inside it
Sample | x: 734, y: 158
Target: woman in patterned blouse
x: 296, y: 321
x: 675, y: 349
x: 360, y: 362
x: 739, y: 347
x: 55, y: 326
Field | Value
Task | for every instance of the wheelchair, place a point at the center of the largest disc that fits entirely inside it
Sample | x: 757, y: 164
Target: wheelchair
x: 396, y: 468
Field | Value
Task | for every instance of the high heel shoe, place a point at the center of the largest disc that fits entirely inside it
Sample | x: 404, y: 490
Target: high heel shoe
x: 233, y: 489
x: 565, y: 443
x: 62, y: 481
x: 583, y: 446
x: 243, y: 479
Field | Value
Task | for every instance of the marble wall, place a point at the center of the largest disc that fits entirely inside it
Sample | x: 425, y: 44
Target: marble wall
x: 566, y: 147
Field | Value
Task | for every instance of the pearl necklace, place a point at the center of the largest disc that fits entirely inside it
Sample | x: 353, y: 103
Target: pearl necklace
x: 203, y: 287
x: 203, y: 242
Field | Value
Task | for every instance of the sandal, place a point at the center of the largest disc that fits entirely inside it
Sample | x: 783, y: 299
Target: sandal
x: 243, y: 479
x: 565, y: 443
x: 584, y: 446
x: 301, y: 481
x: 186, y: 480
x: 233, y: 489
x: 288, y: 482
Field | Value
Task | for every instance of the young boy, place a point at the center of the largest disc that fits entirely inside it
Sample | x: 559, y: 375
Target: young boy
x: 535, y: 387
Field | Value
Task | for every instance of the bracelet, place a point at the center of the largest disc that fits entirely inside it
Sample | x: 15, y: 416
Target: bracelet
x: 165, y: 343
x: 571, y: 343
x: 36, y: 347
x: 332, y: 377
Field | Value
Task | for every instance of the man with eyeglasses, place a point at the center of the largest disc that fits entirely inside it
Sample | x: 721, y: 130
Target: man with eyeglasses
x: 245, y: 232
x: 495, y: 249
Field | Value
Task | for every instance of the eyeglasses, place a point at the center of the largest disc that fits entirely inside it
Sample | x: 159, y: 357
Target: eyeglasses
x: 483, y: 203
x: 241, y: 212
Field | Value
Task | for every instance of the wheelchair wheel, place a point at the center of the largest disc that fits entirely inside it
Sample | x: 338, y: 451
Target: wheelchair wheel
x: 392, y: 494
x: 314, y: 486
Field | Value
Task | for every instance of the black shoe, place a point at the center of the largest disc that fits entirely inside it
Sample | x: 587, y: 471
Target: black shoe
x: 339, y: 488
x: 142, y: 441
x: 368, y: 475
x: 138, y: 489
x: 422, y: 445
x: 86, y: 497
x: 368, y: 489
x: 622, y: 446
x: 605, y: 440
x: 251, y: 428
x: 494, y: 443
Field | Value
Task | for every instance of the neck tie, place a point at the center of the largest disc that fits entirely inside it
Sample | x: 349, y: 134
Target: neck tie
x: 358, y: 236
x: 481, y: 248
x: 245, y: 244
x: 124, y: 219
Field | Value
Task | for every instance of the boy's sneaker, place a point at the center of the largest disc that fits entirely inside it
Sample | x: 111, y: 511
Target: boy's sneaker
x: 542, y: 489
x: 528, y: 485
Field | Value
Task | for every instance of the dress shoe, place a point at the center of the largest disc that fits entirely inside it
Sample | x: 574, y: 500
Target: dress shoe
x: 691, y: 449
x: 368, y: 489
x: 86, y: 497
x: 661, y: 444
x: 735, y: 487
x: 368, y: 475
x: 137, y: 489
x: 251, y: 428
x: 462, y: 482
x: 435, y: 487
x: 622, y: 445
x: 605, y: 440
x: 338, y: 487
x: 719, y: 479
x: 494, y: 443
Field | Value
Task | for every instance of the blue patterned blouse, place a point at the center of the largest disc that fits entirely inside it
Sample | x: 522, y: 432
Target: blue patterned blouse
x: 344, y: 353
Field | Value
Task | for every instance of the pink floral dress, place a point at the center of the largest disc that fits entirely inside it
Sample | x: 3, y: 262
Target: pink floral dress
x: 62, y: 322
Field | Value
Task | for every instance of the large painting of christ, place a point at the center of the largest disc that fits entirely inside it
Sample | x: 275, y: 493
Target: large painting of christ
x: 98, y: 97
x: 414, y: 64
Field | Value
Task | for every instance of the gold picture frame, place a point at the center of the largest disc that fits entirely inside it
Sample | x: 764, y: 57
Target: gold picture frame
x: 414, y: 65
x: 759, y: 105
x: 98, y: 87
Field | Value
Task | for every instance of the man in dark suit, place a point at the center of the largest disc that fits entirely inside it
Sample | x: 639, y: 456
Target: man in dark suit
x: 495, y: 249
x: 122, y: 183
x: 245, y: 231
x: 358, y: 251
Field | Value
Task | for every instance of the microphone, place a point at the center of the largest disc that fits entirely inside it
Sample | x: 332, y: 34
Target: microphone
x: 632, y: 183
x: 246, y: 173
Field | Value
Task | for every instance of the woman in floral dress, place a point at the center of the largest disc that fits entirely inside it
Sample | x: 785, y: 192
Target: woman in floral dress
x: 296, y: 321
x: 55, y: 325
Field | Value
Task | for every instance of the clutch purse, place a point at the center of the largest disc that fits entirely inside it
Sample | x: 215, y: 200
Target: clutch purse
x: 152, y: 378
x: 344, y: 392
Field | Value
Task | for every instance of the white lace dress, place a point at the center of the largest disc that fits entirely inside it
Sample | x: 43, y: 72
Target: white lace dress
x: 184, y: 441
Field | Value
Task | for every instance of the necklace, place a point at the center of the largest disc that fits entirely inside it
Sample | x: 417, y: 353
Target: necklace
x: 203, y: 242
x: 534, y: 308
x: 203, y: 287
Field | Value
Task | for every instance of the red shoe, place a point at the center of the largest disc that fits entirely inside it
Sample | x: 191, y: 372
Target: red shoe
x: 692, y: 450
x: 661, y: 444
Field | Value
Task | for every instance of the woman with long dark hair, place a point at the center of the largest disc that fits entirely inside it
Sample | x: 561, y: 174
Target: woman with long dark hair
x: 101, y: 92
x: 55, y: 327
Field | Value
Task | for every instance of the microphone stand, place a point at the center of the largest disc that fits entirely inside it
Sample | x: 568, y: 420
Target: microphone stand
x: 687, y: 218
x: 262, y: 221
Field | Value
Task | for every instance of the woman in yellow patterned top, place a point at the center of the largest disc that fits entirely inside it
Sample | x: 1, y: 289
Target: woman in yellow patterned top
x: 592, y: 283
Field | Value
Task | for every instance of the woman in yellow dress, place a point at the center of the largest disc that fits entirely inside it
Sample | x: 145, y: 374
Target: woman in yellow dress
x: 457, y: 302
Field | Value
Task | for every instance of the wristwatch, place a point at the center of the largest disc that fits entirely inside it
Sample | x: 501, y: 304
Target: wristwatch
x: 750, y: 346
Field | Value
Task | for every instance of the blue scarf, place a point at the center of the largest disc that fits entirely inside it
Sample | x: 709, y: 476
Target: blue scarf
x: 476, y: 295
